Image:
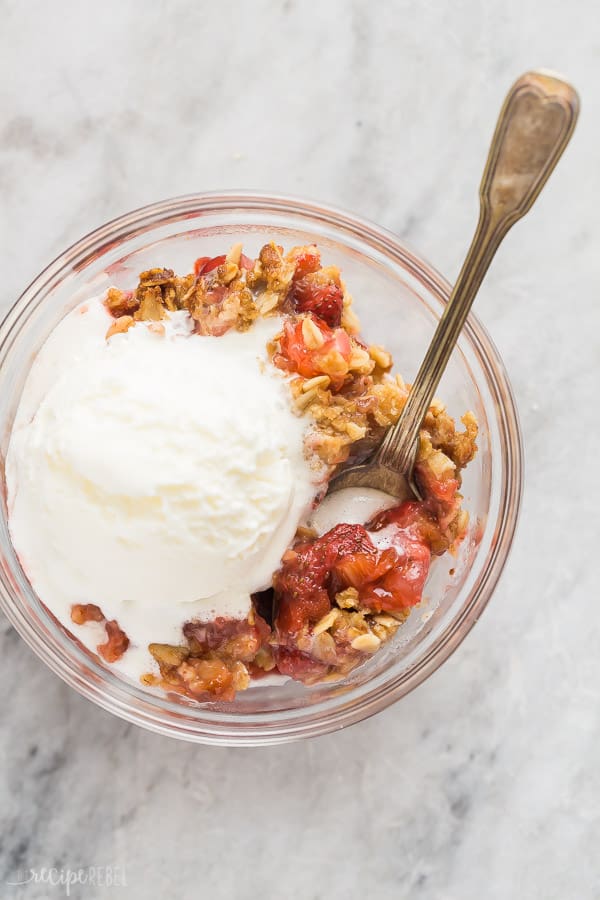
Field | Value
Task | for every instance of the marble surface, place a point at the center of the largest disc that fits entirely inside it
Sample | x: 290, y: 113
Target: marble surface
x: 484, y: 782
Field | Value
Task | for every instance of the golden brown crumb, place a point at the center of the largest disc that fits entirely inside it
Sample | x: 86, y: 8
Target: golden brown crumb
x: 272, y: 270
x: 121, y: 303
x: 347, y: 599
x: 119, y: 326
x: 152, y: 308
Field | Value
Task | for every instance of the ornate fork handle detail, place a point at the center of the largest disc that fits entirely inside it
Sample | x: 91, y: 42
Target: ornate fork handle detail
x: 534, y: 127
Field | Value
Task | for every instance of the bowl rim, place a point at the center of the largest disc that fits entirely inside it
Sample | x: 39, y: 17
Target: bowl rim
x: 92, y: 246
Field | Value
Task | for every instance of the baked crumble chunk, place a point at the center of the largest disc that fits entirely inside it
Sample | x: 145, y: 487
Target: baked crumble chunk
x: 338, y: 597
x: 116, y: 642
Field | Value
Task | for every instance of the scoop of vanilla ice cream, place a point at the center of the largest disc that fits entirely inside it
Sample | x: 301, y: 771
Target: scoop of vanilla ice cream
x: 159, y: 476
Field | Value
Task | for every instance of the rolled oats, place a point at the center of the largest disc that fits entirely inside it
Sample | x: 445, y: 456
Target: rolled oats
x: 313, y: 338
x: 360, y: 361
x: 319, y: 381
x: 304, y: 400
x: 366, y: 643
x: 380, y: 357
x: 234, y: 255
x: 120, y: 325
x: 326, y: 622
x: 347, y: 599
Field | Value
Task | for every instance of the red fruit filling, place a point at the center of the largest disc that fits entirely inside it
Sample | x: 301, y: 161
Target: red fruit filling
x: 303, y: 585
x: 314, y: 350
x: 86, y: 612
x: 217, y: 659
x: 386, y: 564
x: 116, y: 642
x: 205, y: 264
x: 246, y: 262
x: 299, y: 665
x: 320, y: 295
x: 315, y: 290
x: 389, y: 577
x: 237, y: 638
x: 432, y: 486
x: 307, y: 260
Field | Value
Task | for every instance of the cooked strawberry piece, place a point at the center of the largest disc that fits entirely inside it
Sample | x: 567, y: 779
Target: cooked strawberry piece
x: 216, y: 294
x: 407, y: 582
x: 326, y: 351
x: 256, y: 672
x: 302, y: 584
x: 411, y: 531
x: 443, y: 489
x: 210, y: 318
x: 116, y: 643
x: 389, y: 579
x: 402, y: 587
x: 294, y: 355
x: 86, y: 612
x: 308, y: 260
x: 320, y: 296
x: 320, y: 555
x: 205, y: 264
x: 214, y: 263
x: 358, y: 569
x: 348, y: 539
x: 246, y: 262
x: 405, y: 515
x: 414, y: 517
x: 300, y: 602
x: 200, y: 263
x: 298, y: 665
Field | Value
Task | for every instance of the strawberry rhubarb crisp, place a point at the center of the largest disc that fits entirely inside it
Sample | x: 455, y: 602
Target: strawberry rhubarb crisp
x: 167, y: 465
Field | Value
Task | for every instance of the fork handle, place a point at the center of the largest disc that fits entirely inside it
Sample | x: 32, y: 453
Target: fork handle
x: 535, y: 123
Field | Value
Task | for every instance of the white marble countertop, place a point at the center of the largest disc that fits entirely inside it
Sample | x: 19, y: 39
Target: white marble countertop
x: 483, y: 783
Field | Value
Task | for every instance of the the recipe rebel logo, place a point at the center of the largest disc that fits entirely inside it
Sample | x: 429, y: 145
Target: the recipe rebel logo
x: 90, y: 876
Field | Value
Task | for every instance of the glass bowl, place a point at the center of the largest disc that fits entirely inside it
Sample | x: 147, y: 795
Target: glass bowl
x: 399, y: 298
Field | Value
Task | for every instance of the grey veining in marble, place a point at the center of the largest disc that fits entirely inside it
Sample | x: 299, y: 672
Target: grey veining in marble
x: 484, y: 783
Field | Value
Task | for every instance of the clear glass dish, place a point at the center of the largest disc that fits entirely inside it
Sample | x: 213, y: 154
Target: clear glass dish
x: 399, y: 298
